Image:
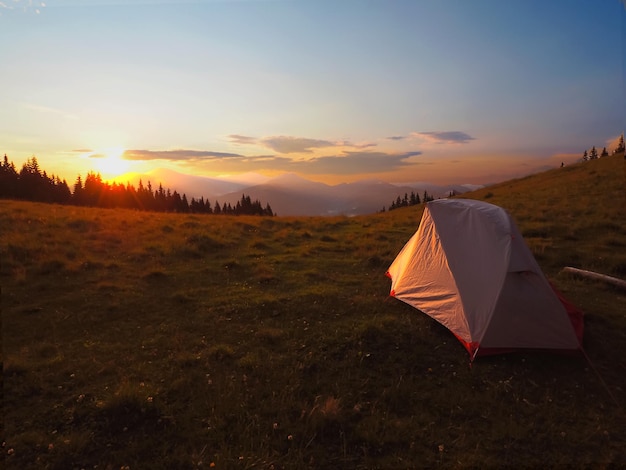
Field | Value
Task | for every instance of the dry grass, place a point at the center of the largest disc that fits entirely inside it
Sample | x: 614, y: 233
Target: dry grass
x: 169, y: 341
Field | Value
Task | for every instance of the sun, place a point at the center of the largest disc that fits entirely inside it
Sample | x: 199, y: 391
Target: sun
x: 111, y: 162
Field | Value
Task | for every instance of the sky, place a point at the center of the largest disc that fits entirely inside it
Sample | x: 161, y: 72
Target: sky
x: 448, y: 91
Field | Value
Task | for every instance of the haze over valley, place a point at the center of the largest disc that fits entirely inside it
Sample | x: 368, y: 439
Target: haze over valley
x: 290, y: 194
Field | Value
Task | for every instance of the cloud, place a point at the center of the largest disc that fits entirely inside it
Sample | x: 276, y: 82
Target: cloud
x: 242, y: 139
x: 356, y: 163
x: 293, y: 154
x: 23, y: 6
x: 445, y: 137
x: 360, y: 146
x: 396, y: 137
x: 176, y: 155
x: 345, y: 163
x: 288, y: 144
x: 232, y: 161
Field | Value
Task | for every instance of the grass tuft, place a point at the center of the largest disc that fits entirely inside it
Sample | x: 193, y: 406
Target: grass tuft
x: 270, y: 335
x: 221, y: 352
x: 130, y: 409
x: 250, y: 361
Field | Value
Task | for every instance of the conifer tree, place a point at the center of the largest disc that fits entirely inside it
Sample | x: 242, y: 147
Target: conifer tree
x: 78, y: 191
x: 33, y: 183
x: 9, y: 179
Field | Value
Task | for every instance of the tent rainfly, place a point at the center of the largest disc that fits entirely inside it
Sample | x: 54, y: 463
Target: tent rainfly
x: 468, y: 267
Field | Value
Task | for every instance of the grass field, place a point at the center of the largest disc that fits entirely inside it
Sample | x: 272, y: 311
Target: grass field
x: 161, y: 341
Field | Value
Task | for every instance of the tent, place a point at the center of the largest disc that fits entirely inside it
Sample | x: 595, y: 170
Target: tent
x: 468, y: 267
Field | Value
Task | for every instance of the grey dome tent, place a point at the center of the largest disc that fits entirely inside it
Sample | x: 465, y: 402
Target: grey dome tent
x: 468, y: 267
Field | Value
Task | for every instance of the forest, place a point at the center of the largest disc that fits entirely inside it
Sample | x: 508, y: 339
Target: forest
x: 31, y: 183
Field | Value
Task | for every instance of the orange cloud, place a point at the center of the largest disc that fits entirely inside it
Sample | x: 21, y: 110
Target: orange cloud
x: 444, y: 137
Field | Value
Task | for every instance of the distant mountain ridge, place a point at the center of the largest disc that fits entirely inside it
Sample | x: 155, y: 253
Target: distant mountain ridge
x: 291, y: 195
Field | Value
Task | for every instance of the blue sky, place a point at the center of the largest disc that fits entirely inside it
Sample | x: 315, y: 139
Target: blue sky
x: 442, y: 91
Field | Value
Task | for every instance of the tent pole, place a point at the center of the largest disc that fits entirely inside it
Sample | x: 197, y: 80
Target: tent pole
x: 596, y: 276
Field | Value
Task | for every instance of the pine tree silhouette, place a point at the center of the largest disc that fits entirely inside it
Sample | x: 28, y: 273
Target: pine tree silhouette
x: 34, y: 184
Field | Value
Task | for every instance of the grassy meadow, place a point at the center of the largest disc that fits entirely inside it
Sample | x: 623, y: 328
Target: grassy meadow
x: 135, y: 340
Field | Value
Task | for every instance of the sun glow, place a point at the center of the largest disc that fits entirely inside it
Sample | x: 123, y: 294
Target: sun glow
x: 110, y: 162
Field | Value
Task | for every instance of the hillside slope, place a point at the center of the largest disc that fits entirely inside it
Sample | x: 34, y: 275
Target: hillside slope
x: 152, y: 340
x: 575, y: 215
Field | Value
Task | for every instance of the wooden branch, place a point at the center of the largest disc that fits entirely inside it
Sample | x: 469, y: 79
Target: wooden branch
x: 596, y: 276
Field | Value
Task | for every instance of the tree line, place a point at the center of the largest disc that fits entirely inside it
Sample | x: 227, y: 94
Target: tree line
x: 32, y: 183
x: 593, y: 153
x: 410, y: 200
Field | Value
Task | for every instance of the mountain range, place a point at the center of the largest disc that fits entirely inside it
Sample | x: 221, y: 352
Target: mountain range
x: 292, y: 195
